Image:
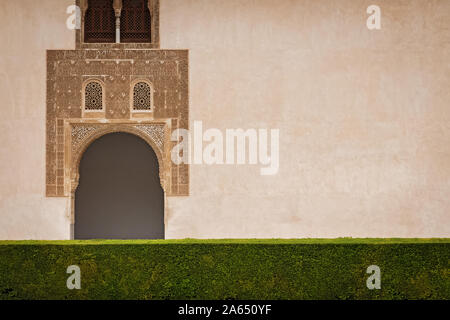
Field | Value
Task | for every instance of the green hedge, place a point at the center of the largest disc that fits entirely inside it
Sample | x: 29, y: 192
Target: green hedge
x: 226, y: 269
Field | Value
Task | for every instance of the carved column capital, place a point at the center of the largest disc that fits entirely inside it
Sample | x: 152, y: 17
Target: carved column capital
x: 84, y: 5
x: 117, y: 5
x: 74, y: 182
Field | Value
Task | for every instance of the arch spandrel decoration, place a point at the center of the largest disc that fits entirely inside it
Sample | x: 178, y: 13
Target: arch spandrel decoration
x: 155, y: 134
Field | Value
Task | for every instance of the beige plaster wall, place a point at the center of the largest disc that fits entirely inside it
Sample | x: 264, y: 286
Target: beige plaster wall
x: 364, y: 117
x: 27, y: 29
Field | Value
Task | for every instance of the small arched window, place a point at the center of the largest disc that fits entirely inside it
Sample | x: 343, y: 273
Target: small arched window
x: 93, y: 96
x: 99, y: 22
x: 142, y: 96
x: 135, y: 21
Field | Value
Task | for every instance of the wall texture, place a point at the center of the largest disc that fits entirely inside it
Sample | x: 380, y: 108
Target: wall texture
x: 364, y: 117
x: 28, y: 28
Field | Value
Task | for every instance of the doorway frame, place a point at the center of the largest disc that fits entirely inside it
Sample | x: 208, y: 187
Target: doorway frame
x: 79, y: 134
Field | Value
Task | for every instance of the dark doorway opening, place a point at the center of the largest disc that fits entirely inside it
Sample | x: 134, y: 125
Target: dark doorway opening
x: 119, y: 195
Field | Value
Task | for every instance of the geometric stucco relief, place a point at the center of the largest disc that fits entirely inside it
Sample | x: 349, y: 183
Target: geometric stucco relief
x: 90, y: 92
x: 83, y: 134
x: 82, y: 131
x: 70, y: 125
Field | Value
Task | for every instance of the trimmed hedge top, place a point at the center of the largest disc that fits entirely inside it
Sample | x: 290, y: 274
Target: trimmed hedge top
x: 231, y: 241
x: 226, y: 269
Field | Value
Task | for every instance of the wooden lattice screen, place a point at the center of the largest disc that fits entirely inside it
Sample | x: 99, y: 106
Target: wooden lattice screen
x: 135, y: 21
x: 99, y: 23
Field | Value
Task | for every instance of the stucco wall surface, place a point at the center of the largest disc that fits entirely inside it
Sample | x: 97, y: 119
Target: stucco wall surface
x: 364, y: 117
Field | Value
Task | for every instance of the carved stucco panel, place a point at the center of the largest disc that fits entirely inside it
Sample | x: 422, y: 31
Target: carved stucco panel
x: 82, y: 135
x: 68, y: 71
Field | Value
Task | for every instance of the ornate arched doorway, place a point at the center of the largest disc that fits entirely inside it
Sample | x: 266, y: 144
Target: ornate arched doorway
x: 119, y: 194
